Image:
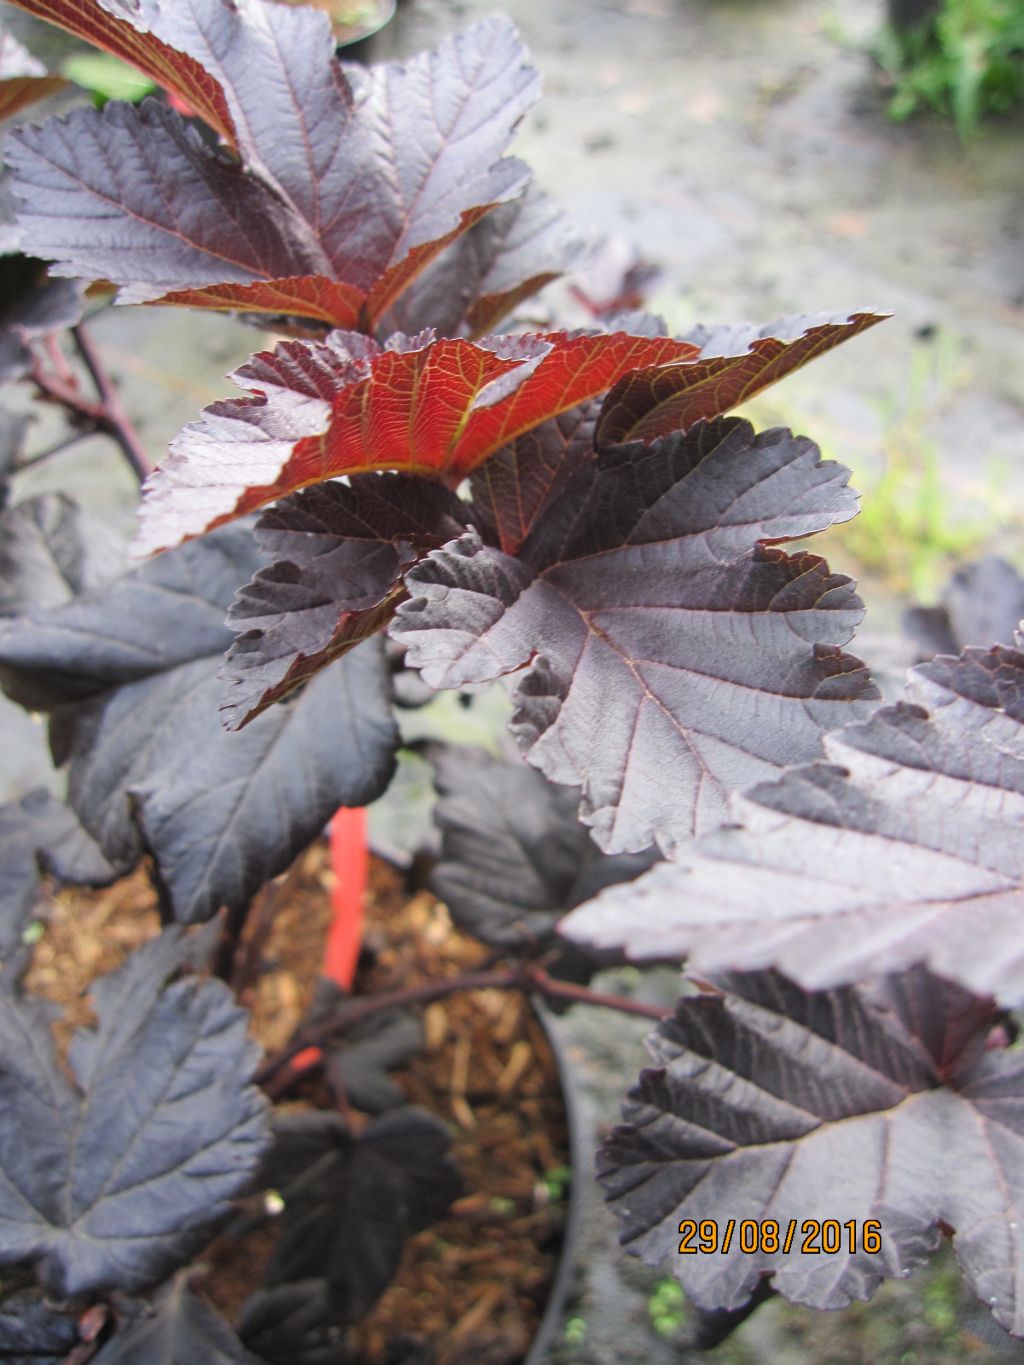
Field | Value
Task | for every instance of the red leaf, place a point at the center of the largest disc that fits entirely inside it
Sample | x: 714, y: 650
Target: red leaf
x: 152, y: 41
x: 346, y: 406
x: 732, y: 365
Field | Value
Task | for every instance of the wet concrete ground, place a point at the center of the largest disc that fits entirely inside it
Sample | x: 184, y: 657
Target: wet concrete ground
x: 743, y: 145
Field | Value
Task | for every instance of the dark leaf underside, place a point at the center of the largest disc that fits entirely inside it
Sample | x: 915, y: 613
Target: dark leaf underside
x: 905, y: 847
x: 351, y: 1203
x: 31, y: 306
x: 50, y: 551
x: 37, y: 834
x: 180, y: 1328
x: 760, y: 1094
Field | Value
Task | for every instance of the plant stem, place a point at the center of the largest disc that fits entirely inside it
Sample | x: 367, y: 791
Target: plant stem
x: 108, y: 415
x: 65, y: 443
x: 553, y: 989
x: 115, y: 420
x: 528, y: 978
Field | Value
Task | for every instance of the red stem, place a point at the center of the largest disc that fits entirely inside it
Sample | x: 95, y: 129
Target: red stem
x: 114, y: 418
x: 528, y: 978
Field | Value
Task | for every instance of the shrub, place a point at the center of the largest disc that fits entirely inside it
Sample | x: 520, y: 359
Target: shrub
x: 837, y: 1088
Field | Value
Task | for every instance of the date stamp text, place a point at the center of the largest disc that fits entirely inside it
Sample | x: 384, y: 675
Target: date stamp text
x: 811, y: 1237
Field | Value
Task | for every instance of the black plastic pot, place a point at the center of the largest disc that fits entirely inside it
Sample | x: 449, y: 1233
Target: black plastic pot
x: 551, y: 1322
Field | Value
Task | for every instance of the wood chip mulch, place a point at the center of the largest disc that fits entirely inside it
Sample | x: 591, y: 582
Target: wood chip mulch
x: 470, y: 1288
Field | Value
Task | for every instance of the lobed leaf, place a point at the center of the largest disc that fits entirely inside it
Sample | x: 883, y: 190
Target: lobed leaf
x: 294, y: 1324
x: 512, y: 488
x: 23, y: 79
x: 317, y: 410
x: 514, y: 855
x: 506, y: 257
x: 224, y: 60
x: 731, y: 364
x: 340, y: 557
x: 51, y: 551
x: 34, y: 1331
x: 109, y: 1192
x: 761, y: 1092
x: 672, y: 654
x: 905, y: 847
x: 349, y: 183
x: 351, y: 1203
x: 131, y: 674
x: 982, y: 602
x: 32, y: 307
x: 179, y: 1328
x: 357, y: 1066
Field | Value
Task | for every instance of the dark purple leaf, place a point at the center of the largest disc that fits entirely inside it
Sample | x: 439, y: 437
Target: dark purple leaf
x: 672, y: 655
x: 508, y: 256
x: 351, y: 1203
x: 23, y: 79
x: 613, y: 278
x: 733, y: 364
x: 344, y: 406
x: 179, y: 1329
x: 349, y: 184
x: 513, y: 487
x: 359, y: 1064
x: 340, y: 554
x: 114, y: 1182
x: 132, y: 673
x: 761, y: 1095
x: 50, y: 551
x: 31, y: 306
x: 905, y: 848
x: 982, y: 604
x: 294, y: 1324
x: 34, y: 1331
x: 514, y: 855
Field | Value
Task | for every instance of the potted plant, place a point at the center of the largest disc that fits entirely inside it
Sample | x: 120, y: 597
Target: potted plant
x: 709, y: 779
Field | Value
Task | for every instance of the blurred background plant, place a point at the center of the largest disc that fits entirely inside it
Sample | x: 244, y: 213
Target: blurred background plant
x: 958, y: 57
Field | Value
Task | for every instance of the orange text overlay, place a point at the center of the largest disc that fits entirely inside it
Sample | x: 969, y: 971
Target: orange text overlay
x: 812, y: 1237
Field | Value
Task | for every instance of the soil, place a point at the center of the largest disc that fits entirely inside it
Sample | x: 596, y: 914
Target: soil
x: 473, y: 1287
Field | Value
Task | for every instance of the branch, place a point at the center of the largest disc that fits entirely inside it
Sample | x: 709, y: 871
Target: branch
x: 59, y: 385
x: 114, y: 418
x: 528, y: 978
x: 65, y: 443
